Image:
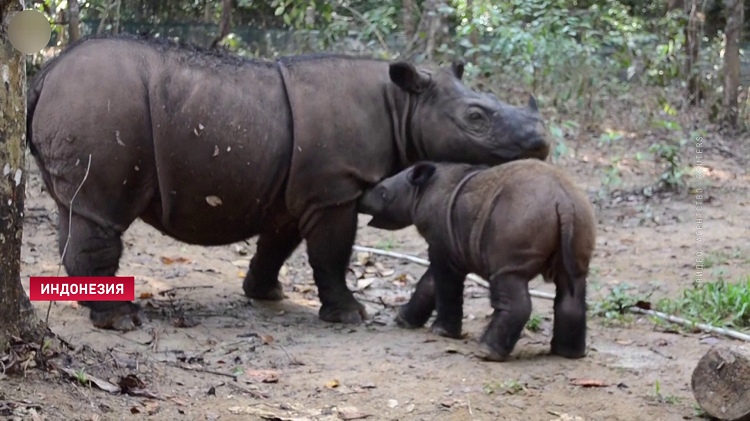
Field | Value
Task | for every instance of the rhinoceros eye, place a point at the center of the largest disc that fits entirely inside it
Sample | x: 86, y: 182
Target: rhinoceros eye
x: 476, y: 116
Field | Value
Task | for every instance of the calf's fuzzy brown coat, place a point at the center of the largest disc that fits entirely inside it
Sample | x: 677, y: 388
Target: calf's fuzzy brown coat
x: 508, y: 224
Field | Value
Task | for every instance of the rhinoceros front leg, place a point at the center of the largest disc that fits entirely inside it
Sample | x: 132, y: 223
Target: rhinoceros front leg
x: 94, y: 250
x: 273, y: 248
x: 449, y: 299
x: 418, y: 310
x: 329, y: 247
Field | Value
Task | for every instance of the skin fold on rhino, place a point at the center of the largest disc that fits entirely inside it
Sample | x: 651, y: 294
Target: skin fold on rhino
x: 212, y: 149
x: 507, y: 224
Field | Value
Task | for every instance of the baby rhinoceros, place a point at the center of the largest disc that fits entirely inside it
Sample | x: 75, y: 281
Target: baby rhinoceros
x: 508, y: 224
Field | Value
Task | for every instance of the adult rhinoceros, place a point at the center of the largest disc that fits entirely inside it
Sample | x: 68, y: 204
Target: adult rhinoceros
x: 212, y: 149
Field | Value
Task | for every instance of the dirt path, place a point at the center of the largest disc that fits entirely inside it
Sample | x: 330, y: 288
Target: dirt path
x: 291, y: 364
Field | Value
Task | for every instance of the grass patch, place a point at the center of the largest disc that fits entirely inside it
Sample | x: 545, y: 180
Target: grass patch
x: 717, y: 303
x: 616, y: 303
x: 535, y: 323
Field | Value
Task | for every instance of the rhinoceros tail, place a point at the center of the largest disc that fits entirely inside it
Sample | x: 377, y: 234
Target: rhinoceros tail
x: 566, y: 216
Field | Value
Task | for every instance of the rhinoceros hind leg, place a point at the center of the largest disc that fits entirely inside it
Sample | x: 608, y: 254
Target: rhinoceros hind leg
x: 569, y: 330
x: 509, y: 296
x: 94, y: 250
x: 329, y: 248
x: 418, y: 310
x: 273, y: 248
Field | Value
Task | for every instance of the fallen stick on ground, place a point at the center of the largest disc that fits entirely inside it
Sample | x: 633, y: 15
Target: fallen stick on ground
x: 547, y: 296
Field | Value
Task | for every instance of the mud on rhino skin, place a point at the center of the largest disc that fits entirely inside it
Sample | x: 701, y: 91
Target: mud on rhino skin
x: 212, y: 149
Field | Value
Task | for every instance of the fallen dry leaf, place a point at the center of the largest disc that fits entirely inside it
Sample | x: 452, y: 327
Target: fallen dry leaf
x: 263, y: 376
x: 213, y: 200
x: 263, y: 414
x: 266, y: 339
x: 566, y: 417
x: 101, y: 384
x: 241, y: 274
x: 184, y: 322
x: 145, y: 295
x: 178, y: 401
x: 363, y: 258
x: 624, y: 342
x: 383, y: 271
x: 588, y: 383
x: 242, y: 263
x: 351, y: 413
x: 129, y: 382
x: 332, y: 384
x: 34, y: 415
x: 644, y: 305
x: 365, y: 283
x: 151, y: 407
x: 169, y: 260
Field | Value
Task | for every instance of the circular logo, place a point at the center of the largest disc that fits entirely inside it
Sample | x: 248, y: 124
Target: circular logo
x: 29, y: 31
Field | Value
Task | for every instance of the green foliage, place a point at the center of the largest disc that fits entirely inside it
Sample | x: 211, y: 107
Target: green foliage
x: 717, y: 303
x: 668, y: 152
x: 508, y: 387
x: 617, y: 302
x: 664, y: 398
x: 535, y: 323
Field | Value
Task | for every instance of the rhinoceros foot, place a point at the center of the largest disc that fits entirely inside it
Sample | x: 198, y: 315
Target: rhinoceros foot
x: 487, y: 353
x: 405, y: 319
x: 353, y: 313
x: 570, y: 351
x: 441, y: 329
x: 263, y: 290
x: 122, y: 318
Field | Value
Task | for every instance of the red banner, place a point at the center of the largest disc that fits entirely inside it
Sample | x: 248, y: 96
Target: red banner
x: 54, y: 288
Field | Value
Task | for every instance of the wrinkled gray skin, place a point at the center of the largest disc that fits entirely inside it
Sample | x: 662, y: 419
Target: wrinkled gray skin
x: 510, y: 223
x: 212, y: 149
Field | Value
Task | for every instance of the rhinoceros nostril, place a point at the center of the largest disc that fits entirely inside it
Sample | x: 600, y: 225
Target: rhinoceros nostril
x: 536, y: 143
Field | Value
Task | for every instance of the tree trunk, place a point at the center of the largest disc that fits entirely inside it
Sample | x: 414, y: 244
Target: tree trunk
x: 675, y: 5
x: 720, y: 382
x: 17, y: 316
x: 409, y: 17
x: 225, y: 24
x: 692, y: 47
x: 433, y: 25
x: 74, y: 21
x: 735, y: 13
x: 116, y: 26
x: 105, y: 16
x: 474, y: 36
x: 208, y: 12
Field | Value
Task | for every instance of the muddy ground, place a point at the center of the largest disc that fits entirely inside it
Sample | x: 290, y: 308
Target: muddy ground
x: 210, y: 354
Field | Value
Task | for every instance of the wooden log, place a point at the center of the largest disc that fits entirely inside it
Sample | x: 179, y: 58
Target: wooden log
x: 721, y: 382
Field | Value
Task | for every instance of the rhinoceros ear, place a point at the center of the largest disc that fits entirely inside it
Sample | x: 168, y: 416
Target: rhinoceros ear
x: 532, y: 103
x: 407, y: 77
x: 458, y: 69
x: 421, y: 173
